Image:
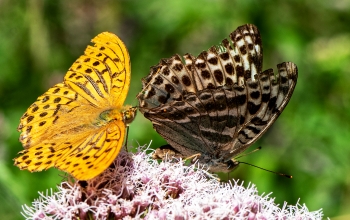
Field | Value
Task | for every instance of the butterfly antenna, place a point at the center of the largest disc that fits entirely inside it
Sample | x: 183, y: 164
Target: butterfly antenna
x: 259, y: 148
x: 280, y: 174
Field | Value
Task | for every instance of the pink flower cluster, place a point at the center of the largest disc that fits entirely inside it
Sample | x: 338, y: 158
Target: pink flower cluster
x: 135, y: 186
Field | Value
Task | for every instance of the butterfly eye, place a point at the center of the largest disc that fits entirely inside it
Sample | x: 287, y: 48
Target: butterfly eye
x: 232, y: 164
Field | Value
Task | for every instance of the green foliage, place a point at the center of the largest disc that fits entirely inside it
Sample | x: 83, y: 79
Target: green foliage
x: 39, y: 40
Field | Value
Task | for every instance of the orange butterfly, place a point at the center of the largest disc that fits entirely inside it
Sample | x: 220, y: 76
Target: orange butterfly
x: 79, y: 125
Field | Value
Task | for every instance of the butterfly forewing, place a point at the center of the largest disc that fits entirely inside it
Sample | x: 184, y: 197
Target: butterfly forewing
x: 164, y: 84
x: 275, y: 92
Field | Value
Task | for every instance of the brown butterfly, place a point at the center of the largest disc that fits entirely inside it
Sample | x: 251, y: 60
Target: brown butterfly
x: 218, y: 104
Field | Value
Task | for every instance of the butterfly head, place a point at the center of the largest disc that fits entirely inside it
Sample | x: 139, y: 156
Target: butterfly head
x: 232, y: 164
x: 129, y: 114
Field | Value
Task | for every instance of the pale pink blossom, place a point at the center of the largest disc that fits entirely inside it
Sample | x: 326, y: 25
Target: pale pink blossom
x: 136, y: 186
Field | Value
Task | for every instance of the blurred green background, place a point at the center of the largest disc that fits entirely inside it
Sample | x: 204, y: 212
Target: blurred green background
x: 39, y: 40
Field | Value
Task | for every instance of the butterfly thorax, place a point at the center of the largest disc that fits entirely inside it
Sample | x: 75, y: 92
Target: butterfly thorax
x: 106, y: 116
x: 224, y: 167
x: 126, y: 114
x: 214, y: 162
x: 223, y: 159
x: 217, y: 163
